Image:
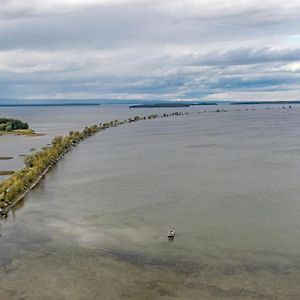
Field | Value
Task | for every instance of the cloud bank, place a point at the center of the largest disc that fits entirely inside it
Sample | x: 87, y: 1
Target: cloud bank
x: 167, y: 49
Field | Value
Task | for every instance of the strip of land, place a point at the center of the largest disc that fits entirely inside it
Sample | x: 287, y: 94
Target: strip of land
x: 16, y: 187
x: 49, y: 104
x: 264, y: 102
x: 170, y: 105
x: 25, y: 132
x: 6, y: 172
x: 16, y: 127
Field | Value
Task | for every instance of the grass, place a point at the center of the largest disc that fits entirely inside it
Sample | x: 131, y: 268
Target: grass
x: 6, y: 173
x: 26, y: 132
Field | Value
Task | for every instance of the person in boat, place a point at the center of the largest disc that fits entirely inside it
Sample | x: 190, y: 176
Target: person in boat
x: 171, y: 233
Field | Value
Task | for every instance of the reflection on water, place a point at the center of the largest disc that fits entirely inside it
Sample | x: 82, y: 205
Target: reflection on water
x: 95, y: 228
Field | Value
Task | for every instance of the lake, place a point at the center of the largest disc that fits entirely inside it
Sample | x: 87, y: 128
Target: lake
x: 96, y: 226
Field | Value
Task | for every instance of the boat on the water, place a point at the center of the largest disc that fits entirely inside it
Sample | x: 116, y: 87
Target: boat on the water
x: 171, y: 234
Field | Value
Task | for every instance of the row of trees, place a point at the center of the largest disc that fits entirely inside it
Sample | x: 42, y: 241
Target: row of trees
x: 12, y: 124
x: 38, y: 163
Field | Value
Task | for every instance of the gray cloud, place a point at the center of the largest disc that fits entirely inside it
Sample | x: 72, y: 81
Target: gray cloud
x: 149, y: 49
x: 243, y: 56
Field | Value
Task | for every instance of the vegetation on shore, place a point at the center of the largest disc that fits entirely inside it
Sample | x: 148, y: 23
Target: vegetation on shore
x: 7, y: 124
x: 26, y: 132
x: 16, y: 127
x: 37, y: 164
x: 171, y: 104
x: 13, y: 189
x: 264, y: 102
x: 6, y: 172
x: 5, y: 157
x: 160, y: 105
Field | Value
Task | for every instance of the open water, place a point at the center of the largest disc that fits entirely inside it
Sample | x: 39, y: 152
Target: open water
x: 95, y: 227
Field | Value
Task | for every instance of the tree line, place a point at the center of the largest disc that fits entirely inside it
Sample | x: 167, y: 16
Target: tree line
x: 12, y: 124
x: 39, y: 163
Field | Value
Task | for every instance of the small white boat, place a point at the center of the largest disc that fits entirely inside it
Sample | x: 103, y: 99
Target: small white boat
x: 171, y: 234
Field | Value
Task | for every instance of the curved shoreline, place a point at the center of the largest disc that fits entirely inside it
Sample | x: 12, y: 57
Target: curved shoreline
x: 23, y: 132
x: 72, y: 140
x: 7, y: 205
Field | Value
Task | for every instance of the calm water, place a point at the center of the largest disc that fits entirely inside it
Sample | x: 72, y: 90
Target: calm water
x: 95, y: 228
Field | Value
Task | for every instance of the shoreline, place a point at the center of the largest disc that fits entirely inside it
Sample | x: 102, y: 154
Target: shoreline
x: 23, y: 132
x: 87, y: 132
x: 75, y: 138
x: 4, y: 212
x: 6, y: 172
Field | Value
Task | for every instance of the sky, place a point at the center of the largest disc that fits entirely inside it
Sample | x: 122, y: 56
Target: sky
x: 208, y: 50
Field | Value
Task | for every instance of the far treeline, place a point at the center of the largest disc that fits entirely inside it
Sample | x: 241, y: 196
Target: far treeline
x: 39, y: 163
x: 12, y: 124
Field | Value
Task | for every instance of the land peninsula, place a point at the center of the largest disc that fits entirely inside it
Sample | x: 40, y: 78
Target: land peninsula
x: 37, y: 164
x: 16, y: 187
x: 15, y: 127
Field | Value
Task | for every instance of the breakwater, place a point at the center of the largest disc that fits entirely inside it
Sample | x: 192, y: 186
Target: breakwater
x: 17, y: 186
x: 37, y: 165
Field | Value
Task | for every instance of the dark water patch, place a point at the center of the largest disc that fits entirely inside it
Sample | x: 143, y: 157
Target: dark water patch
x: 21, y: 239
x: 142, y: 260
x: 258, y: 267
x: 288, y: 150
x: 286, y: 265
x: 203, y: 146
x: 166, y: 293
x: 217, y: 291
x: 261, y: 262
x: 6, y: 265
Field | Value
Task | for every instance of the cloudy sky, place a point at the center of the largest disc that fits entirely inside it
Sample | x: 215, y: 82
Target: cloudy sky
x: 150, y: 49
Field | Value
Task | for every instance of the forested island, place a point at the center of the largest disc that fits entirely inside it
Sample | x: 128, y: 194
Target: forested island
x: 7, y: 124
x: 17, y: 127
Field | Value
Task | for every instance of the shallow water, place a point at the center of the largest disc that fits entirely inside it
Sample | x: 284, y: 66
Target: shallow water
x: 95, y: 228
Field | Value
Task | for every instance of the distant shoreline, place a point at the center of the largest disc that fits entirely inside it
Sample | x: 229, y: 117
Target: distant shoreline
x: 263, y: 102
x: 170, y: 105
x: 49, y: 104
x: 24, y: 132
x: 150, y: 104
